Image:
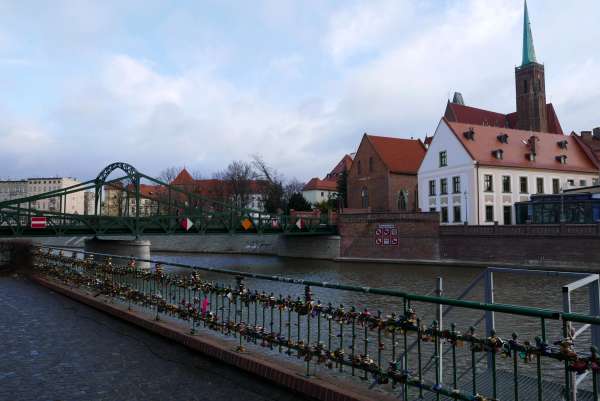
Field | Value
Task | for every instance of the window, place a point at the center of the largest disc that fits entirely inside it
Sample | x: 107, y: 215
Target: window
x: 443, y: 158
x: 540, y: 185
x: 571, y: 182
x: 444, y: 214
x: 595, y: 181
x: 456, y: 215
x: 488, y: 185
x: 444, y: 186
x: 456, y: 184
x: 489, y: 213
x: 507, y: 214
x: 525, y: 87
x: 402, y: 200
x: 582, y: 183
x: 359, y: 168
x: 432, y: 188
x: 364, y: 194
x: 555, y: 185
x: 370, y: 164
x: 432, y: 209
x: 506, y: 184
x: 322, y: 194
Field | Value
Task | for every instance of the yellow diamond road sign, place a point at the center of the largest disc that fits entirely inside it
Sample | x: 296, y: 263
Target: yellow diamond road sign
x: 247, y: 224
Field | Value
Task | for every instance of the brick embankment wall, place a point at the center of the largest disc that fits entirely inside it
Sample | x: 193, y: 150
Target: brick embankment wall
x: 420, y: 239
x: 573, y: 247
x: 417, y: 235
x: 322, y: 387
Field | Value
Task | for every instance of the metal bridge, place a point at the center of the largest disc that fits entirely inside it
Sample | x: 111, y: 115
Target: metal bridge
x: 143, y: 205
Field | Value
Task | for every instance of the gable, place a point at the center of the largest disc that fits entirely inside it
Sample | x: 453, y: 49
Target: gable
x: 445, y: 140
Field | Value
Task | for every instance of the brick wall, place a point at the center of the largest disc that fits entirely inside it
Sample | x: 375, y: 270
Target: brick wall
x: 538, y: 245
x: 417, y: 235
x: 421, y: 238
x: 399, y: 182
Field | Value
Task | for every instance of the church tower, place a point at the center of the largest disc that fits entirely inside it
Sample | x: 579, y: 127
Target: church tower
x: 530, y: 86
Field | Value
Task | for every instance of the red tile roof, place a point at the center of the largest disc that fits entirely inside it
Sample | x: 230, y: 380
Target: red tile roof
x: 183, y: 178
x: 590, y: 144
x: 514, y: 152
x: 402, y: 156
x: 471, y: 115
x: 316, y: 184
x: 343, y: 165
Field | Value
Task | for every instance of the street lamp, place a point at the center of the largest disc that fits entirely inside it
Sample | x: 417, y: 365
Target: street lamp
x: 466, y: 208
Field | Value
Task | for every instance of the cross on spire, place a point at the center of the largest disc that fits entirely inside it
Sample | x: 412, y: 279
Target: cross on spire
x: 528, y: 49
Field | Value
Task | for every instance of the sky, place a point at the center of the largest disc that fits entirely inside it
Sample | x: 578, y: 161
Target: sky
x: 85, y: 83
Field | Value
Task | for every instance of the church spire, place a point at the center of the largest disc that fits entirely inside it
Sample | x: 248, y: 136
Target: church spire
x: 528, y: 50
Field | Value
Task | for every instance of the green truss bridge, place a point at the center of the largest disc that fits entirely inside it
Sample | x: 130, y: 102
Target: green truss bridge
x: 136, y: 204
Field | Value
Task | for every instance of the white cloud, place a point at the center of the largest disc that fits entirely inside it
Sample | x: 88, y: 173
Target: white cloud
x: 155, y: 120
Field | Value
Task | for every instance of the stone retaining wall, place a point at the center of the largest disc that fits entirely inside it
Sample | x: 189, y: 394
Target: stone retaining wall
x: 312, y: 247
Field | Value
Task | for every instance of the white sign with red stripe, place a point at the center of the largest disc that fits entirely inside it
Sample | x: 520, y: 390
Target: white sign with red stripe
x: 38, y: 222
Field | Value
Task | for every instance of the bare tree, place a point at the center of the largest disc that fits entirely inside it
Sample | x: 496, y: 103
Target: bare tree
x: 271, y: 185
x: 292, y: 187
x: 237, y: 181
x: 169, y: 174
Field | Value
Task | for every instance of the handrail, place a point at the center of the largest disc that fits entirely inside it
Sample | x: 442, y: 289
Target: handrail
x: 501, y: 308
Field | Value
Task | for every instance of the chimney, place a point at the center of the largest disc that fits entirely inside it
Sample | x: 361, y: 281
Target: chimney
x: 596, y: 133
x: 585, y: 134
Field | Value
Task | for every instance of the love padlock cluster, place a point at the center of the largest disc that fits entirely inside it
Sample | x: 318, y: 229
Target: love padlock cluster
x: 153, y: 288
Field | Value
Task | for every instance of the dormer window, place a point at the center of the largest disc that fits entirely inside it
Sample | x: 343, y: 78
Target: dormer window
x: 503, y: 138
x: 470, y: 134
x: 562, y: 144
x: 498, y: 153
x: 562, y: 159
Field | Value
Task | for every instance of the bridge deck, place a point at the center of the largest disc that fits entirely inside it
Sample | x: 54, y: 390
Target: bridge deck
x: 54, y: 348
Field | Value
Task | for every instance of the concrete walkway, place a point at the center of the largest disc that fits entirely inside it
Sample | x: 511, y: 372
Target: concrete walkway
x: 53, y: 348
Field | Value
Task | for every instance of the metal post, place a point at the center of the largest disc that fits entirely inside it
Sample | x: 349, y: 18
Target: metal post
x: 490, y: 323
x: 567, y: 308
x: 439, y: 316
x: 594, y: 292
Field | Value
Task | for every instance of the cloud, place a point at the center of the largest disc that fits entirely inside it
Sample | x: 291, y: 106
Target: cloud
x: 298, y: 83
x: 155, y: 120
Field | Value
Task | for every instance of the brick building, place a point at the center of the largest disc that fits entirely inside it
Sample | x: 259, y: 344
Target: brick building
x: 383, y: 176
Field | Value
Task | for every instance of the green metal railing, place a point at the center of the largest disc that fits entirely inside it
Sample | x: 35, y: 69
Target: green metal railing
x: 373, y: 345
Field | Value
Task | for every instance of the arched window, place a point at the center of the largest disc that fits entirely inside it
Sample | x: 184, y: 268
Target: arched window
x: 364, y: 195
x: 402, y: 199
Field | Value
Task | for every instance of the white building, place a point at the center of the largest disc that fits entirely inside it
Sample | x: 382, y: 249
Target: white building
x: 10, y: 190
x: 317, y: 190
x: 72, y: 203
x: 474, y: 174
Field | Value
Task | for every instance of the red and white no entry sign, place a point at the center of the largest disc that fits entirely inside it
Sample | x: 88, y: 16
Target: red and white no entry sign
x: 38, y: 222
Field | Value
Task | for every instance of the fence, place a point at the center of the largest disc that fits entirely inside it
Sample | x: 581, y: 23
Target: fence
x: 397, y: 350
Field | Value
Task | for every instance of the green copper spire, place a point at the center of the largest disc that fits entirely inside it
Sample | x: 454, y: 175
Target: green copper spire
x: 528, y: 50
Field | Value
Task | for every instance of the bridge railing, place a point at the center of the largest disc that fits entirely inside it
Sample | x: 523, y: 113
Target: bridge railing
x: 329, y: 327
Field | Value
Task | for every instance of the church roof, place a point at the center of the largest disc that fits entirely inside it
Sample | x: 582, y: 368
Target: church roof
x: 528, y: 49
x: 471, y: 115
x: 403, y: 156
x: 486, y: 140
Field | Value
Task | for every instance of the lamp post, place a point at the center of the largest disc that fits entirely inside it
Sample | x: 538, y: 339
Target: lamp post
x: 466, y: 208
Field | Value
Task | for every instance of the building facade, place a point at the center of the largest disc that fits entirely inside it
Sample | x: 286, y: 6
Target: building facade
x: 475, y: 174
x: 10, y: 190
x: 72, y: 203
x: 383, y: 176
